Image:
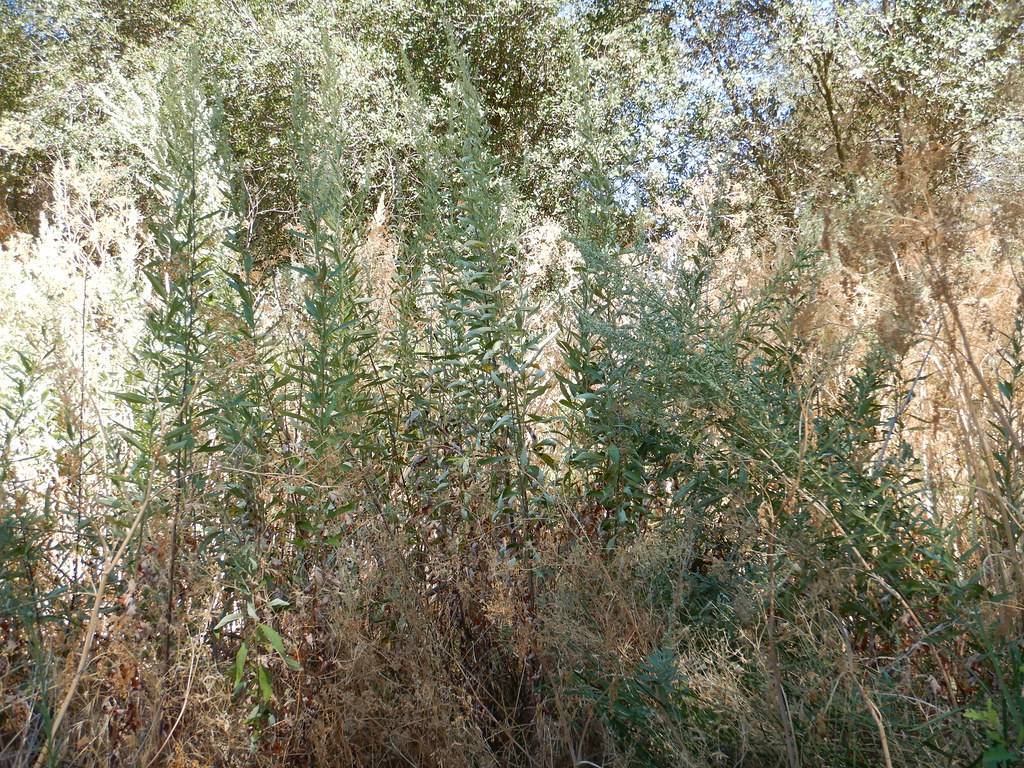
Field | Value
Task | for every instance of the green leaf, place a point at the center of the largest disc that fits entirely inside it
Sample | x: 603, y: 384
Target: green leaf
x: 228, y: 619
x: 987, y: 716
x: 994, y: 757
x: 240, y: 657
x: 275, y: 641
x: 131, y: 397
x: 266, y: 689
x: 547, y: 459
x: 273, y: 638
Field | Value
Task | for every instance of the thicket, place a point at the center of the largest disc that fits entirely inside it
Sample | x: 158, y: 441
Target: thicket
x: 511, y: 384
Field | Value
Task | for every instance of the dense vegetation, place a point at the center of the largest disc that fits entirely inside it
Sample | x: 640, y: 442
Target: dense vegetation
x: 511, y: 383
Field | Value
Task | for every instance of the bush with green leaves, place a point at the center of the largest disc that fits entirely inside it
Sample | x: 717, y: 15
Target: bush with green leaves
x: 542, y: 381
